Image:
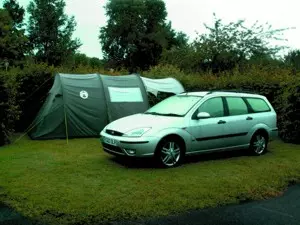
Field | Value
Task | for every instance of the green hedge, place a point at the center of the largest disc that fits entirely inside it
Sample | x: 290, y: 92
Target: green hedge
x: 9, y: 108
x: 33, y: 83
x: 3, y: 106
x: 288, y: 108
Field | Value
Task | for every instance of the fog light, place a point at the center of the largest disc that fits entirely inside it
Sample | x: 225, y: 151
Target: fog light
x: 130, y: 151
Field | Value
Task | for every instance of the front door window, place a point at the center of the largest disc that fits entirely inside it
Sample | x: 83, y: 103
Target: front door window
x: 213, y: 106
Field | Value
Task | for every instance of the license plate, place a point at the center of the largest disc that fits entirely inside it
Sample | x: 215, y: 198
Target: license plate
x: 109, y: 141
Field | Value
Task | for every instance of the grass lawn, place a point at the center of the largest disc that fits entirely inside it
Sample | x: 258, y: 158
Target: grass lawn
x: 57, y: 183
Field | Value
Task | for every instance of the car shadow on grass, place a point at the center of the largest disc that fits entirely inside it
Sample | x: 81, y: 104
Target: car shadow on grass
x: 151, y: 164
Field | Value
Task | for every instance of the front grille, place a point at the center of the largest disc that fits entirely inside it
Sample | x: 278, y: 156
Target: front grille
x: 113, y: 132
x: 112, y: 148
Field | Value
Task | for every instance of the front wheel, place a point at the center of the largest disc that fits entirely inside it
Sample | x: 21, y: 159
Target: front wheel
x: 170, y: 153
x: 259, y: 143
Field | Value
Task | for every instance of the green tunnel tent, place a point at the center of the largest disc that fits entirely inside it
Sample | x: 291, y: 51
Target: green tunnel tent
x: 82, y: 105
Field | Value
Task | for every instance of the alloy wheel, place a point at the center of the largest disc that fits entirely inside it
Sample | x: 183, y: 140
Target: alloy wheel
x: 170, y: 153
x: 259, y: 144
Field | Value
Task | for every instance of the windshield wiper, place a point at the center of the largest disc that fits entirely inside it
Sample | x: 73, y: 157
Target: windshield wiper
x: 152, y: 113
x: 163, y: 114
x: 171, y: 114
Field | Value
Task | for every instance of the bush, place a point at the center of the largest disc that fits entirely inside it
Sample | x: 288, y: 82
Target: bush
x: 9, y: 109
x: 34, y: 83
x: 289, y: 111
x: 3, y: 105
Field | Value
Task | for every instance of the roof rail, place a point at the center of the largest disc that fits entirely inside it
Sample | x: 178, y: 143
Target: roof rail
x: 232, y: 90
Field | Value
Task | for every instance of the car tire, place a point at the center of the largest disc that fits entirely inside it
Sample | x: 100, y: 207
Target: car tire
x: 169, y: 152
x: 258, y: 144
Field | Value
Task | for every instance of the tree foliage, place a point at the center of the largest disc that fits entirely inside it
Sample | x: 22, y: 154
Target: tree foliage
x: 136, y: 33
x: 16, y: 12
x: 50, y: 31
x: 13, y: 42
x: 292, y: 59
x: 81, y: 59
x: 225, y: 46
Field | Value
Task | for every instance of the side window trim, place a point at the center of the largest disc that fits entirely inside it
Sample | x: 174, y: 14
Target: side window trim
x: 250, y: 109
x: 225, y: 106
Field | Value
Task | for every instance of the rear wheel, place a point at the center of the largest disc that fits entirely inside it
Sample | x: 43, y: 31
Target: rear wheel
x: 170, y: 152
x: 259, y: 143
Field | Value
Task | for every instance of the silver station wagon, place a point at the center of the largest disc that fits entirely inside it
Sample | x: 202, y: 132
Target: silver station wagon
x: 194, y: 123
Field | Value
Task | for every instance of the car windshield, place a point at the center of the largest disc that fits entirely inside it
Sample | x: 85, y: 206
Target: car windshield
x: 177, y: 105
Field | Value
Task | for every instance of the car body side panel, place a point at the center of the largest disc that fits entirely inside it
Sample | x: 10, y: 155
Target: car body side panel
x: 208, y: 133
x: 182, y: 132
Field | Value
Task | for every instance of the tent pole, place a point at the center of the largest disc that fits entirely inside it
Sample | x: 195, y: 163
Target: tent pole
x: 66, y: 125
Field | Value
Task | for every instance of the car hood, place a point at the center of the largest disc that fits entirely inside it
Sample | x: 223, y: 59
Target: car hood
x: 129, y: 123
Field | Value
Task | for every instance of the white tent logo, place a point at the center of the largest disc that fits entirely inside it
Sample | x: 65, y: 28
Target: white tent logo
x: 84, y: 94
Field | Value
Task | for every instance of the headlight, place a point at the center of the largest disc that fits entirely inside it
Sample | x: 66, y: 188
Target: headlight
x: 137, y: 132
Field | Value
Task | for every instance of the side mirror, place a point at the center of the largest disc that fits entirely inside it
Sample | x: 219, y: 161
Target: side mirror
x: 203, y: 115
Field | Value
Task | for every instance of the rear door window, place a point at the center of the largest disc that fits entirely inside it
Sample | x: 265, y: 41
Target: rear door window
x: 236, y: 106
x: 258, y: 105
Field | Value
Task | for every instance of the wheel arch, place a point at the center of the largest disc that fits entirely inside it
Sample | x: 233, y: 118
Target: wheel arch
x: 172, y: 135
x: 262, y: 131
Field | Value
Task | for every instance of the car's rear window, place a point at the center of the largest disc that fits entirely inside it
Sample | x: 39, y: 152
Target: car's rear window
x: 258, y: 105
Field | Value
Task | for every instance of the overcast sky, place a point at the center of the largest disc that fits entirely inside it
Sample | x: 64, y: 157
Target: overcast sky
x: 188, y: 16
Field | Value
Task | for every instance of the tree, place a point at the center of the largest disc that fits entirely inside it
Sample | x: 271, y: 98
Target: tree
x: 96, y: 62
x: 226, y: 45
x: 136, y: 33
x: 81, y: 59
x: 16, y: 12
x: 13, y: 42
x: 292, y: 59
x: 50, y: 31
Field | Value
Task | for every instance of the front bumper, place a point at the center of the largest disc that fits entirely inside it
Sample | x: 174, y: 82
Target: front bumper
x: 124, y: 146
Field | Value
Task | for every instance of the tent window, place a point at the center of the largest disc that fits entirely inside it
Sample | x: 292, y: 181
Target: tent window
x: 125, y: 94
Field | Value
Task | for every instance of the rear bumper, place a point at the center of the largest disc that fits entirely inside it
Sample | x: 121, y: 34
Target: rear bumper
x: 273, y: 134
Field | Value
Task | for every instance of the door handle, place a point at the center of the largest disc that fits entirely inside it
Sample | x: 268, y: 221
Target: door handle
x: 221, y: 122
x: 249, y: 118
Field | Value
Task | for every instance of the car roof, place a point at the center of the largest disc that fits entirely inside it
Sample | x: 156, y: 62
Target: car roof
x: 198, y: 94
x: 218, y: 93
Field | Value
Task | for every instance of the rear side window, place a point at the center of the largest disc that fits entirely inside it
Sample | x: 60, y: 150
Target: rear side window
x: 236, y: 106
x: 258, y: 105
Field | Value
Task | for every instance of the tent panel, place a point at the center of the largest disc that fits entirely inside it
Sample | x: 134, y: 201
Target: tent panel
x: 49, y: 124
x: 49, y: 119
x: 119, y: 109
x: 169, y: 85
x: 125, y: 94
x: 85, y: 105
